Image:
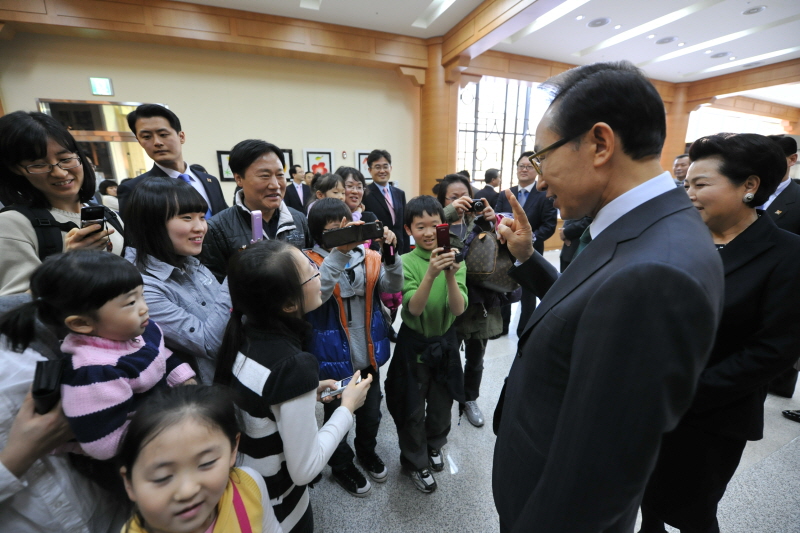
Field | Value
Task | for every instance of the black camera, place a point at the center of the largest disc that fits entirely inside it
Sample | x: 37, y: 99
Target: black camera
x: 477, y: 206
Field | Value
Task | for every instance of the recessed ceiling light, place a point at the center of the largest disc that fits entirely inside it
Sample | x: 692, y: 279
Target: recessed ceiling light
x: 681, y: 44
x: 580, y: 17
x: 618, y: 26
x: 754, y: 10
x: 720, y: 54
x: 596, y: 23
x: 651, y: 36
x: 731, y: 58
x: 708, y: 51
x: 666, y: 40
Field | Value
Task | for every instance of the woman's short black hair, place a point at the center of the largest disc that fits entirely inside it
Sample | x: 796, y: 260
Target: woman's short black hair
x: 420, y: 206
x: 153, y: 202
x: 105, y: 184
x: 347, y: 172
x: 618, y: 94
x: 743, y: 155
x: 441, y: 189
x: 246, y: 152
x: 326, y: 210
x: 23, y: 137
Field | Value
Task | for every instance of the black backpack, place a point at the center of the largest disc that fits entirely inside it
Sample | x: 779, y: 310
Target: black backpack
x: 48, y: 229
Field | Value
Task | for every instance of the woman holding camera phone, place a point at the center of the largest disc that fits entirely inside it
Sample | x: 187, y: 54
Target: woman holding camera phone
x: 43, y: 175
x: 482, y: 319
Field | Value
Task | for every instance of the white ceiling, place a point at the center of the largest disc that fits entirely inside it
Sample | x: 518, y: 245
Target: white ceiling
x: 775, y: 29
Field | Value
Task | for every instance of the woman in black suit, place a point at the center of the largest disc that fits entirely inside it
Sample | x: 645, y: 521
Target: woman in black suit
x: 757, y: 339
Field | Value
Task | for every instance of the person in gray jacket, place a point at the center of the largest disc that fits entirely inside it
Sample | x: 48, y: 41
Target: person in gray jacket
x: 167, y: 219
x: 257, y: 167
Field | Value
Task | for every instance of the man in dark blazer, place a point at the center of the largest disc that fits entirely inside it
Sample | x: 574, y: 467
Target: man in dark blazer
x: 783, y: 208
x: 298, y: 194
x: 380, y: 168
x: 159, y: 132
x: 492, y: 179
x: 542, y: 217
x: 610, y: 359
x: 570, y: 233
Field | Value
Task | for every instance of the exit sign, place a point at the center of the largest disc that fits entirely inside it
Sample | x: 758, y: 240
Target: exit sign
x: 101, y: 86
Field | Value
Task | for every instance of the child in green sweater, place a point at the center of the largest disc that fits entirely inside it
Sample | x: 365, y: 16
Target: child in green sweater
x: 426, y: 366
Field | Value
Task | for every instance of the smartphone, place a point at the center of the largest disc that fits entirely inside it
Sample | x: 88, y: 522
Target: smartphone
x: 388, y: 254
x: 360, y: 233
x: 95, y: 214
x: 339, y: 387
x: 443, y: 237
x: 46, y: 389
x: 257, y: 225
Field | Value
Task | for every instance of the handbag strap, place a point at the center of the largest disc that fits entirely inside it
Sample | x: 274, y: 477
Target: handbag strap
x: 241, y: 512
x: 468, y: 241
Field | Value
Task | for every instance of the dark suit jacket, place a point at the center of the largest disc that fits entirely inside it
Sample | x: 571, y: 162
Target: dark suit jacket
x: 375, y: 202
x: 573, y: 229
x: 785, y: 209
x: 540, y: 211
x: 293, y: 200
x: 210, y: 184
x: 489, y: 193
x: 606, y: 365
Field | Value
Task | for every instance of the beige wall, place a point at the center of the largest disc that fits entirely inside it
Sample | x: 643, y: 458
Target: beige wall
x: 222, y: 97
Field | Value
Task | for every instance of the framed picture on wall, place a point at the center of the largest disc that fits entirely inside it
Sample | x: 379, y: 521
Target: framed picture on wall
x: 321, y: 161
x: 361, y: 164
x: 225, y: 172
x: 288, y: 159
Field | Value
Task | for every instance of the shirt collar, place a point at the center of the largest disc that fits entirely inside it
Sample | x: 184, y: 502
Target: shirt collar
x: 158, y: 268
x: 174, y: 173
x: 425, y: 254
x: 630, y: 200
x: 383, y: 188
x: 529, y: 188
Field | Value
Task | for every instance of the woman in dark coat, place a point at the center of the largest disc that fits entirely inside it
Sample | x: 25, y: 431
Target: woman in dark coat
x: 758, y: 336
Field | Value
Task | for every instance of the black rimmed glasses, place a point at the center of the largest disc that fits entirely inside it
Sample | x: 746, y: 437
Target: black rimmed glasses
x: 316, y: 268
x: 536, y: 159
x: 46, y: 168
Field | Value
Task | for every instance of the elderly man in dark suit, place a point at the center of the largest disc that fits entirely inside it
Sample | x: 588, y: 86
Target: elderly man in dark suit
x: 542, y: 217
x: 783, y: 207
x: 385, y: 200
x: 610, y: 359
x: 159, y: 132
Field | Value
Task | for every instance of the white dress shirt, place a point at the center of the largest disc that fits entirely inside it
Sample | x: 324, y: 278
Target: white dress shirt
x: 196, y: 183
x: 51, y: 497
x: 627, y: 202
x: 299, y: 188
x: 781, y: 187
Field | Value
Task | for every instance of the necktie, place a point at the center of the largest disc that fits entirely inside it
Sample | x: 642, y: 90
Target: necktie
x: 586, y: 238
x: 523, y: 195
x: 388, y: 197
x: 188, y: 179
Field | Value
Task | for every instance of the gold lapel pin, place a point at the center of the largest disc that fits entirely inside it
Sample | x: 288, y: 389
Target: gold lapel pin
x: 208, y: 180
x: 778, y: 212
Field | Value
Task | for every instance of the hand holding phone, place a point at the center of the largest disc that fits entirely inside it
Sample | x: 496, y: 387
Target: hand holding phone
x: 92, y: 215
x: 257, y: 225
x: 355, y: 393
x: 337, y: 389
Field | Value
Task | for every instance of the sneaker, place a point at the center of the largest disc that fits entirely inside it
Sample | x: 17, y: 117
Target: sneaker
x: 423, y: 480
x: 474, y: 414
x: 352, y: 480
x: 373, y: 466
x: 435, y: 459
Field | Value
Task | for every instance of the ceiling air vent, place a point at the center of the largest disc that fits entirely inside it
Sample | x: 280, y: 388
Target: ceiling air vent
x: 754, y: 10
x: 719, y: 55
x: 596, y: 23
x: 753, y: 64
x: 666, y: 40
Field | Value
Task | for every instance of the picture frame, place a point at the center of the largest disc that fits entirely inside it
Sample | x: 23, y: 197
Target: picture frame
x: 322, y: 161
x: 223, y: 160
x: 361, y: 164
x: 288, y: 158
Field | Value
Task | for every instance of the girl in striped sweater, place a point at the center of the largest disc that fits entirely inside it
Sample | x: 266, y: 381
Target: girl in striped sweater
x: 114, y: 355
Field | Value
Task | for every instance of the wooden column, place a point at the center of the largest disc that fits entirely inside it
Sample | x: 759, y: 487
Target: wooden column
x: 438, y: 121
x: 677, y: 126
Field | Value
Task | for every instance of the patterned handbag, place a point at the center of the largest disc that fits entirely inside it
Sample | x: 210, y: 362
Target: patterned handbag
x: 488, y: 261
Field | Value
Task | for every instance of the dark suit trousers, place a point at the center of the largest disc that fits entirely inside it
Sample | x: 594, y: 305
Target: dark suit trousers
x: 784, y: 384
x: 692, y: 472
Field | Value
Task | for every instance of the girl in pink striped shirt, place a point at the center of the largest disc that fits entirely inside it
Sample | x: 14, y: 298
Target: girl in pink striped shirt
x: 114, y: 355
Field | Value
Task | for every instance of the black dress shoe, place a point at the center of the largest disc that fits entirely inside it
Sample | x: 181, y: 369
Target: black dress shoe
x: 792, y: 415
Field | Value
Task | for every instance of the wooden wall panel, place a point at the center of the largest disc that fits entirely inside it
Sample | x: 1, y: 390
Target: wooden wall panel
x: 400, y: 49
x: 100, y: 10
x: 742, y: 104
x: 342, y: 41
x: 172, y: 18
x: 756, y: 78
x: 270, y: 31
x: 24, y: 6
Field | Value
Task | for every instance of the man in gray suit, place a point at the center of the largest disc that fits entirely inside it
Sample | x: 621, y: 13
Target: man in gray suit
x: 610, y: 359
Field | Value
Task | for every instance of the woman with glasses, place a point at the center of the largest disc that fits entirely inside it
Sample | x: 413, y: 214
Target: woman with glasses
x: 45, y: 178
x: 758, y: 336
x: 355, y: 187
x: 482, y: 319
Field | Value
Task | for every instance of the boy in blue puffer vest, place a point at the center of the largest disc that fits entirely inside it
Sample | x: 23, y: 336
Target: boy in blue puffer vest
x: 350, y: 333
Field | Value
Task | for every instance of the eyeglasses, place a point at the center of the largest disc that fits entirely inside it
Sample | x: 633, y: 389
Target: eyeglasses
x: 64, y: 164
x: 536, y: 159
x: 351, y: 188
x: 523, y: 168
x: 381, y: 167
x: 316, y: 268
x: 310, y: 279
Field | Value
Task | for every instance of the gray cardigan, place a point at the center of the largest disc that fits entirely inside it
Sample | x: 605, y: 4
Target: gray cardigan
x: 191, y: 307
